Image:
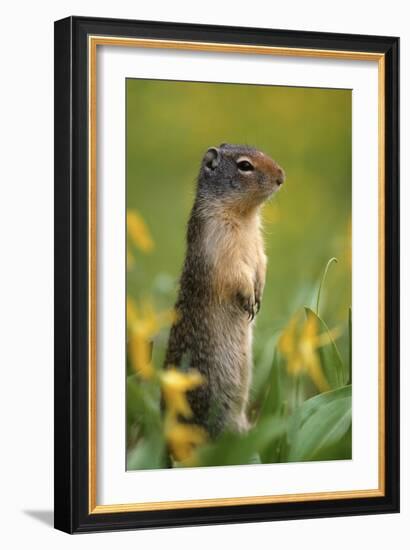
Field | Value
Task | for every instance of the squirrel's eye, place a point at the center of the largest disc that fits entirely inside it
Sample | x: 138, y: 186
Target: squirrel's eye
x: 245, y: 166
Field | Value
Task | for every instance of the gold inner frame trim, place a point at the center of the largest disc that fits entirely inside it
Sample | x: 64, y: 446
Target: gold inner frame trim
x: 93, y: 42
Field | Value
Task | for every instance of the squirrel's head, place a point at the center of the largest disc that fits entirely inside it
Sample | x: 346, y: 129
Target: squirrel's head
x: 239, y: 176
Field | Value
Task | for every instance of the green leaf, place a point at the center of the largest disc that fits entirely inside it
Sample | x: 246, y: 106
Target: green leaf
x: 263, y: 368
x: 321, y: 428
x: 236, y: 449
x: 272, y: 400
x: 143, y: 403
x: 143, y: 411
x: 148, y: 454
x: 277, y: 447
x: 329, y: 355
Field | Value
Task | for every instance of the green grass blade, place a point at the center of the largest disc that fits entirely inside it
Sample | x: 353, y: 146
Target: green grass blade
x: 271, y: 403
x: 330, y: 358
x: 329, y: 263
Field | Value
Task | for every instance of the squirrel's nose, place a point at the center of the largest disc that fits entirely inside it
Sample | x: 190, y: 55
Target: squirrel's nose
x: 279, y: 175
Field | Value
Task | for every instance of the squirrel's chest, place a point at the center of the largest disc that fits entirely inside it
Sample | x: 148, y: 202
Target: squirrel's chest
x: 233, y: 253
x: 232, y: 246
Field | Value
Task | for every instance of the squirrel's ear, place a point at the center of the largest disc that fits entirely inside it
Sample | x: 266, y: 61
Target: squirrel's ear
x: 211, y: 158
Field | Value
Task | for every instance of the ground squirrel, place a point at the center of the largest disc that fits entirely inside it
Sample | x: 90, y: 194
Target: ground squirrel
x: 222, y: 282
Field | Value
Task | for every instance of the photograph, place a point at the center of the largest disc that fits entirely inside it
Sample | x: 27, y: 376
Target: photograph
x: 227, y: 274
x: 238, y: 274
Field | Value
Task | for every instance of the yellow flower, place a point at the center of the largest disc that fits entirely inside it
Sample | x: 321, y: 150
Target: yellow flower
x: 139, y: 349
x: 299, y: 345
x: 138, y: 231
x: 183, y: 439
x: 175, y: 384
x: 143, y: 324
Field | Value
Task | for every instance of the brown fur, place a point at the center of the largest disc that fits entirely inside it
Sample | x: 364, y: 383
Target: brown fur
x: 222, y: 284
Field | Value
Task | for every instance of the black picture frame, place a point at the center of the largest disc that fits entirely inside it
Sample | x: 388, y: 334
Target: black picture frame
x: 71, y: 493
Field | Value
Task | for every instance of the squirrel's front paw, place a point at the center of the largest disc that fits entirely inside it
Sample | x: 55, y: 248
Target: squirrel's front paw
x: 248, y: 304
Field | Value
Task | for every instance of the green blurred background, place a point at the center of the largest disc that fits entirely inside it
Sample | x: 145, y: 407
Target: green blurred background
x: 306, y: 130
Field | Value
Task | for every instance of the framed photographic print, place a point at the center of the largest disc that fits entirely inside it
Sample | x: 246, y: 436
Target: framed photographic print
x: 226, y: 274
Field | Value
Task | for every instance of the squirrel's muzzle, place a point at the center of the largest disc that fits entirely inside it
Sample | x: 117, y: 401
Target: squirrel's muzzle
x: 278, y: 174
x: 270, y: 168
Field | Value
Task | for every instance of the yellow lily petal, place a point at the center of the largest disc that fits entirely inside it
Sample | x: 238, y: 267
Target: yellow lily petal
x: 299, y: 348
x: 286, y: 343
x: 138, y: 231
x: 183, y: 439
x: 315, y: 372
x: 174, y: 385
x: 139, y: 349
